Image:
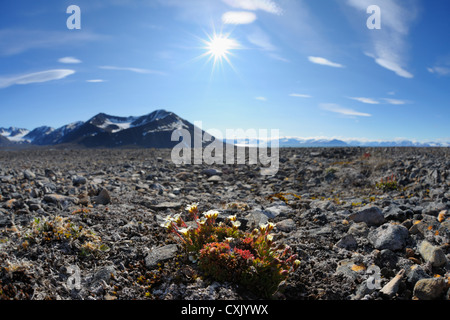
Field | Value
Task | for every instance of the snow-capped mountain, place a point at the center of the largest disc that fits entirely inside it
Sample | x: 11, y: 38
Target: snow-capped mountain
x: 14, y: 134
x: 153, y: 130
x: 38, y: 134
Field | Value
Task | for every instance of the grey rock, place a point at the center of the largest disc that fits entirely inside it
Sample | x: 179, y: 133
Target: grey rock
x: 429, y: 289
x: 212, y: 172
x: 276, y: 210
x: 347, y: 242
x: 215, y: 178
x: 389, y: 236
x: 433, y: 254
x: 359, y: 229
x: 160, y: 255
x: 255, y: 218
x: 79, y: 180
x: 103, y: 198
x: 372, y: 216
x: 415, y: 274
x: 286, y: 225
x: 396, y: 214
x: 58, y: 199
x: 29, y: 175
x: 391, y: 288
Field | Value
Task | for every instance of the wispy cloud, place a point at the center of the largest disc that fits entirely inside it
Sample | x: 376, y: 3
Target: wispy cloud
x: 36, y: 77
x: 261, y: 98
x: 95, y: 80
x: 325, y: 62
x: 365, y: 100
x: 300, y: 95
x: 131, y: 69
x: 442, y: 71
x: 262, y: 41
x: 390, y: 62
x: 15, y: 41
x: 332, y: 107
x: 253, y: 5
x: 389, y: 44
x: 69, y: 60
x: 395, y: 101
x: 238, y: 17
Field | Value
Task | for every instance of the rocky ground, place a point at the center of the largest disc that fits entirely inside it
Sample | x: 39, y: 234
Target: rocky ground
x: 85, y: 224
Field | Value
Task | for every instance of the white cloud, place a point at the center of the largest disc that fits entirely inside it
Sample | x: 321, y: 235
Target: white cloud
x: 95, y: 80
x: 365, y: 100
x: 136, y: 70
x: 238, y: 17
x: 390, y: 64
x: 36, y: 77
x: 261, y: 98
x: 395, y: 101
x: 253, y: 5
x: 299, y: 95
x: 343, y: 111
x: 443, y: 71
x: 325, y: 62
x: 69, y: 60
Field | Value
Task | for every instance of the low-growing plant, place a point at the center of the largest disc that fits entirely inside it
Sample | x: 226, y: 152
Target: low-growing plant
x: 226, y: 253
x: 58, y: 228
x: 387, y: 184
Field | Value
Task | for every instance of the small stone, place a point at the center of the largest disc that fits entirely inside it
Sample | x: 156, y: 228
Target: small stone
x: 286, y: 225
x: 359, y: 229
x: 57, y: 198
x: 211, y: 172
x: 415, y: 274
x: 391, y: 288
x: 160, y: 255
x: 429, y: 289
x: 79, y: 180
x: 347, y: 242
x: 29, y: 175
x: 372, y: 216
x: 214, y: 179
x: 433, y: 254
x: 389, y: 236
x: 103, y: 198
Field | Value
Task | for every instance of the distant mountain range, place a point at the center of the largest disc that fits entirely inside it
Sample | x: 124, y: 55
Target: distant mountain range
x: 154, y: 130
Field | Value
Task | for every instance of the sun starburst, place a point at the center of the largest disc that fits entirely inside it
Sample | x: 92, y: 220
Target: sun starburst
x: 219, y: 48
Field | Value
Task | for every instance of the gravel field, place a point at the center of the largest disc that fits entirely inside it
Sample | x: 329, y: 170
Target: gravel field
x: 366, y: 223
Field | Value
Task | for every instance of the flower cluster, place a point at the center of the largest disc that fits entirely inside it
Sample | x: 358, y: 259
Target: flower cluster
x: 225, y: 253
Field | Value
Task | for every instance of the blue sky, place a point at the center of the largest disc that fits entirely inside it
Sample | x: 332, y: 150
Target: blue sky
x: 310, y: 68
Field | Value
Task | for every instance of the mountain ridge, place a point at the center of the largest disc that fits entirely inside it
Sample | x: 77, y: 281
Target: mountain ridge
x: 155, y: 130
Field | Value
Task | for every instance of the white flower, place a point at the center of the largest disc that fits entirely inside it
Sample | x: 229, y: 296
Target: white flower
x: 184, y: 231
x: 192, y: 207
x: 211, y: 214
x: 236, y: 224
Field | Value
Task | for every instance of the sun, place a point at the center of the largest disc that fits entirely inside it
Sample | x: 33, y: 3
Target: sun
x: 219, y: 47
